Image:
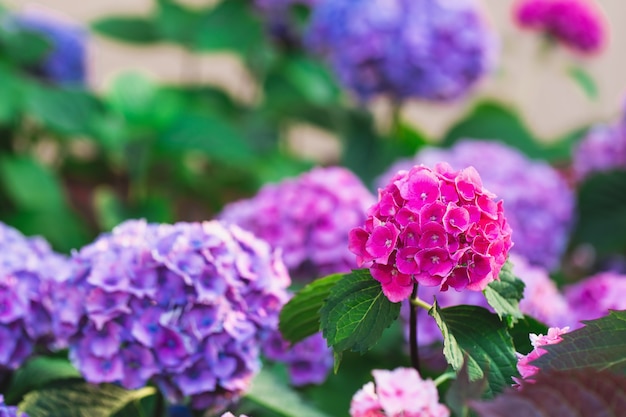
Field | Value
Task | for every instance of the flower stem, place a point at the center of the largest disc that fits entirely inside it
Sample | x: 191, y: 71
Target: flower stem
x: 415, y: 360
x: 418, y: 302
x: 444, y: 377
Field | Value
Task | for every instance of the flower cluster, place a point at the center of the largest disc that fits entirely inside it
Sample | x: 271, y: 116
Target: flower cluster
x: 64, y: 63
x: 577, y: 24
x: 526, y: 370
x: 185, y: 305
x: 427, y: 49
x: 436, y: 227
x: 603, y: 148
x: 9, y: 411
x: 398, y: 393
x: 29, y: 274
x: 229, y: 414
x: 308, y: 361
x: 539, y: 201
x: 594, y: 296
x: 308, y: 218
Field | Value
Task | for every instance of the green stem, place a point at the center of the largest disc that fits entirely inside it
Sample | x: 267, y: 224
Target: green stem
x: 415, y: 360
x: 418, y: 302
x: 444, y: 377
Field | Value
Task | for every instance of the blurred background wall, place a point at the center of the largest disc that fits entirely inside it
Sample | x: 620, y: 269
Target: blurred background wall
x: 528, y: 78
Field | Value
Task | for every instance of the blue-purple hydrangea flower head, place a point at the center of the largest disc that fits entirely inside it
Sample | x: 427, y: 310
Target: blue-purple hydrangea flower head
x: 538, y: 200
x: 308, y: 218
x: 427, y: 49
x: 65, y: 60
x: 183, y: 305
x: 29, y: 272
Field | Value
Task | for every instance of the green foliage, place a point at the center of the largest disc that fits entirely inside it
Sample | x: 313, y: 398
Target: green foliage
x: 601, y: 206
x: 505, y: 294
x: 522, y: 329
x: 600, y: 345
x: 300, y: 317
x: 37, y: 373
x: 268, y: 392
x: 356, y: 313
x: 76, y: 398
x: 584, y: 80
x: 561, y: 394
x: 479, y: 336
x: 131, y: 29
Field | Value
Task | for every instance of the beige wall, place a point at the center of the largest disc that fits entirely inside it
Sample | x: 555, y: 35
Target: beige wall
x: 533, y: 81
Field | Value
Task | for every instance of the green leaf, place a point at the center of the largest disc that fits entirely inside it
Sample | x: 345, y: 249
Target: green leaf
x: 311, y: 79
x: 76, y: 398
x: 584, y: 80
x: 177, y: 23
x: 37, y: 373
x: 479, y: 334
x: 131, y: 29
x: 29, y: 184
x: 300, y: 317
x: 505, y: 294
x: 600, y: 345
x: 109, y: 210
x: 268, y: 392
x: 23, y: 46
x: 521, y: 331
x: 601, y: 212
x: 561, y: 394
x: 215, y: 30
x: 10, y: 91
x: 356, y: 313
x: 66, y: 110
x: 210, y: 135
x: 462, y: 390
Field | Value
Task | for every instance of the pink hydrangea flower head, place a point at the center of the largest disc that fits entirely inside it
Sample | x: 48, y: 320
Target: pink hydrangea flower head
x: 435, y: 227
x: 398, y: 393
x: 229, y: 414
x: 577, y: 24
x: 524, y: 366
x: 593, y: 297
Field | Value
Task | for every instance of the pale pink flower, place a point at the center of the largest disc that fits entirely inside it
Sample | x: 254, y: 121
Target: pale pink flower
x: 398, y: 393
x: 526, y: 370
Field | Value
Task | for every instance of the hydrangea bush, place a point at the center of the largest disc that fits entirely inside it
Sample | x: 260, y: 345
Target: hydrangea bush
x: 425, y: 49
x: 184, y: 305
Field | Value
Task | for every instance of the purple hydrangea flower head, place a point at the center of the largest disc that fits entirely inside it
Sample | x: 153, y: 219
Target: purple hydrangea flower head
x: 308, y: 361
x: 594, y: 296
x: 435, y: 227
x: 526, y: 370
x: 603, y: 148
x: 401, y: 392
x: 308, y: 218
x: 184, y: 305
x: 577, y: 24
x: 8, y: 410
x: 65, y: 60
x: 538, y: 200
x: 427, y: 49
x: 29, y: 274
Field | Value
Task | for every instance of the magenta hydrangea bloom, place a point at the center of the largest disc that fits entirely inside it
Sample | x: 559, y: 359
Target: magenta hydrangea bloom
x: 539, y: 202
x: 184, y: 305
x: 603, y: 148
x: 308, y: 218
x: 577, y: 24
x: 30, y: 274
x: 526, y: 370
x: 594, y: 296
x: 8, y: 410
x: 398, y: 393
x: 427, y: 49
x: 438, y: 228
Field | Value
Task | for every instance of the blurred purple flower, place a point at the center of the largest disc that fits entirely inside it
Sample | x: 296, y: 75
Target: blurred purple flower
x: 30, y: 275
x: 427, y: 49
x: 577, y: 24
x: 594, y: 296
x: 603, y: 148
x: 538, y: 201
x: 308, y: 218
x: 64, y: 62
x: 191, y: 341
x: 9, y: 410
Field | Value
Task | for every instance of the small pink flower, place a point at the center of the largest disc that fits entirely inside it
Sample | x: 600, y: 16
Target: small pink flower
x: 577, y: 24
x: 526, y: 370
x: 445, y: 230
x: 398, y: 393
